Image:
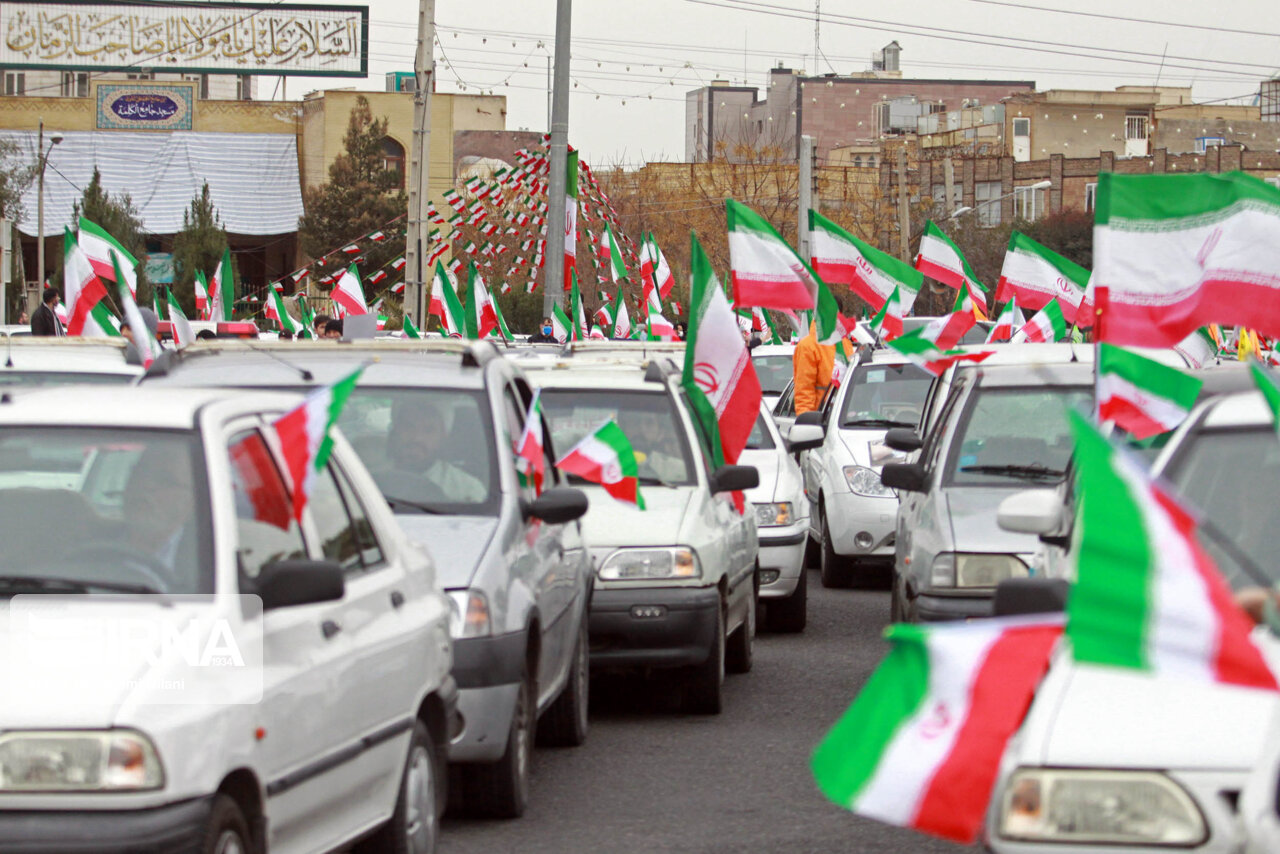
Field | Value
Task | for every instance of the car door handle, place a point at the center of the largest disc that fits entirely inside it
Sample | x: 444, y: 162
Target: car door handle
x: 397, y: 599
x: 329, y: 628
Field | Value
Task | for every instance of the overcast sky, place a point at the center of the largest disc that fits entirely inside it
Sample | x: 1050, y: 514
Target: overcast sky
x: 634, y: 60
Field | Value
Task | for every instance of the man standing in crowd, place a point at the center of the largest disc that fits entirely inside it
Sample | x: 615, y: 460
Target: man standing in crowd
x: 45, y: 321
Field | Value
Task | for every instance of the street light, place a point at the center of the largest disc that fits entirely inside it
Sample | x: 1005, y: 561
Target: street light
x: 54, y: 139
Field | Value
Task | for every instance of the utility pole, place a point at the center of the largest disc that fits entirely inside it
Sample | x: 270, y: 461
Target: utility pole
x: 40, y: 213
x: 949, y: 183
x: 424, y: 72
x: 6, y: 262
x: 553, y: 277
x: 904, y: 214
x: 806, y: 196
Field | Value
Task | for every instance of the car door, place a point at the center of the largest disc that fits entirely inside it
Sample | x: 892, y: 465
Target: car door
x: 306, y: 665
x: 920, y: 514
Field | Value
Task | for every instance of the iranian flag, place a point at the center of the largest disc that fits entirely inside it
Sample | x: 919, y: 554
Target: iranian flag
x: 223, y: 298
x: 765, y: 271
x: 611, y: 255
x: 276, y: 311
x: 97, y: 246
x: 304, y: 436
x: 530, y: 460
x: 1046, y: 325
x: 1147, y: 596
x: 1035, y: 275
x: 840, y: 257
x: 570, y: 217
x: 620, y: 326
x: 946, y: 331
x: 502, y: 331
x: 655, y: 273
x: 605, y: 457
x: 148, y: 347
x: 445, y: 304
x: 87, y: 312
x: 940, y: 259
x: 348, y: 293
x: 1142, y: 396
x: 579, y: 330
x: 1199, y: 348
x: 920, y: 747
x: 660, y: 328
x: 1009, y: 321
x: 930, y: 356
x: 480, y: 317
x: 1175, y: 252
x: 409, y: 329
x: 717, y: 363
x: 183, y: 334
x: 888, y: 320
x: 201, y: 288
x: 561, y: 327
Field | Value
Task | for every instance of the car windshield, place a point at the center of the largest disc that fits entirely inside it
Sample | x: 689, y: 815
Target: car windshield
x: 1232, y: 477
x: 774, y: 372
x: 760, y: 439
x: 51, y: 378
x: 1014, y: 436
x: 885, y: 396
x: 430, y: 450
x: 650, y: 421
x: 103, y: 510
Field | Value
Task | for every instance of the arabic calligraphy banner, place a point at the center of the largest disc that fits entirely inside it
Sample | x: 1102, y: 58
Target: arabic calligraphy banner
x: 144, y: 106
x: 232, y: 38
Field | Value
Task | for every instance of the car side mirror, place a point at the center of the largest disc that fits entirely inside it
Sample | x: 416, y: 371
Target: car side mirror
x: 556, y: 506
x: 803, y: 437
x: 813, y: 416
x: 908, y: 477
x: 734, y: 479
x: 903, y: 439
x: 1030, y: 596
x: 1031, y: 511
x: 285, y: 583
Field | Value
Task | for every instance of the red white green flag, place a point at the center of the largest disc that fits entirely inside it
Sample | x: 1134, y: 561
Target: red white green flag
x: 201, y: 287
x: 717, y: 362
x: 445, y: 303
x: 276, y: 311
x: 611, y: 255
x: 606, y: 457
x: 348, y: 293
x: 87, y: 312
x: 940, y: 259
x: 579, y: 330
x: 1199, y: 348
x: 183, y: 334
x: 570, y: 218
x: 765, y: 271
x: 481, y: 319
x: 223, y: 298
x: 1036, y: 274
x: 660, y: 328
x: 1140, y: 395
x: 888, y: 320
x: 561, y: 326
x: 148, y: 347
x: 923, y: 352
x: 946, y: 331
x: 1009, y: 321
x: 409, y: 329
x: 920, y: 747
x: 1175, y: 252
x: 620, y: 320
x: 1047, y: 325
x: 839, y: 257
x: 1147, y: 596
x: 304, y: 436
x: 98, y: 245
x: 530, y: 460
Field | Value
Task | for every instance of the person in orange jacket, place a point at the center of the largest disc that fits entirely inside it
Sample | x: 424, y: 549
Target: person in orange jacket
x: 812, y: 365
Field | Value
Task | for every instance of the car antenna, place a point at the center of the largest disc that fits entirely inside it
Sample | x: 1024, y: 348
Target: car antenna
x: 305, y: 374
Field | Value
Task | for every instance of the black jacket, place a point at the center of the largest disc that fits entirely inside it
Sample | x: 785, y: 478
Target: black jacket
x: 45, y: 322
x: 540, y: 338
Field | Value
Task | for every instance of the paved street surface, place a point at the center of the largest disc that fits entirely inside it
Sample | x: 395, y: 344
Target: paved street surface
x: 653, y: 778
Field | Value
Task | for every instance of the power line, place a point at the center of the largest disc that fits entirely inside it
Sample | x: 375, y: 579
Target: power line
x: 1081, y: 13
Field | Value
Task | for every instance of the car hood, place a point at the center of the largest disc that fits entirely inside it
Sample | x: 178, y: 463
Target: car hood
x: 972, y: 513
x: 766, y: 463
x: 610, y: 523
x: 859, y: 441
x: 1111, y: 718
x: 456, y: 543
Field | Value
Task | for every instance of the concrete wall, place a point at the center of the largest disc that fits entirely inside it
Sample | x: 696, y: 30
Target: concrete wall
x: 25, y: 113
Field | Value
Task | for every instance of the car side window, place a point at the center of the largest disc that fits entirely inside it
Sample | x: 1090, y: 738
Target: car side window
x: 933, y: 443
x: 704, y: 441
x: 345, y: 533
x: 265, y: 528
x: 787, y: 403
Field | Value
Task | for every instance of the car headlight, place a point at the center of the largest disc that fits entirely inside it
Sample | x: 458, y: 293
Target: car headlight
x: 469, y: 614
x: 778, y: 513
x: 865, y: 481
x: 952, y: 569
x: 640, y: 564
x: 69, y: 761
x: 1103, y: 807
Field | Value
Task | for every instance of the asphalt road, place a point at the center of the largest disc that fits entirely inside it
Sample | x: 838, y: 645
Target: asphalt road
x: 653, y: 778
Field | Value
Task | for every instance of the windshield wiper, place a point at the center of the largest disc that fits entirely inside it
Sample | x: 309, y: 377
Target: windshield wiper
x: 1034, y: 471
x: 407, y: 504
x: 46, y: 584
x: 876, y: 422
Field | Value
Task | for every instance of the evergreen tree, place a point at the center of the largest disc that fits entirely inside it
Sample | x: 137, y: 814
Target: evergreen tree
x: 198, y: 247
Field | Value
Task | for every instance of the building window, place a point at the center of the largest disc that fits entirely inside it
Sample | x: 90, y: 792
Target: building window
x: 15, y: 83
x: 244, y: 87
x: 1028, y: 203
x: 140, y: 75
x: 202, y: 89
x: 986, y: 201
x: 1090, y: 195
x: 393, y: 157
x: 1022, y: 127
x: 1204, y: 143
x: 1135, y: 127
x: 75, y: 84
x: 857, y: 161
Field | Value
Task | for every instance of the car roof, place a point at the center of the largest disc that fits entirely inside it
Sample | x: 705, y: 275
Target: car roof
x: 773, y: 350
x: 1033, y: 373
x: 279, y: 364
x: 66, y: 355
x: 1225, y: 378
x: 1030, y: 354
x: 603, y: 367
x: 1246, y: 409
x: 121, y: 406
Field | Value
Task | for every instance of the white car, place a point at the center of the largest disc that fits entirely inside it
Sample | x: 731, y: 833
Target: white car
x: 782, y: 518
x: 39, y: 360
x: 775, y: 368
x: 250, y: 683
x: 675, y: 584
x: 1110, y: 760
